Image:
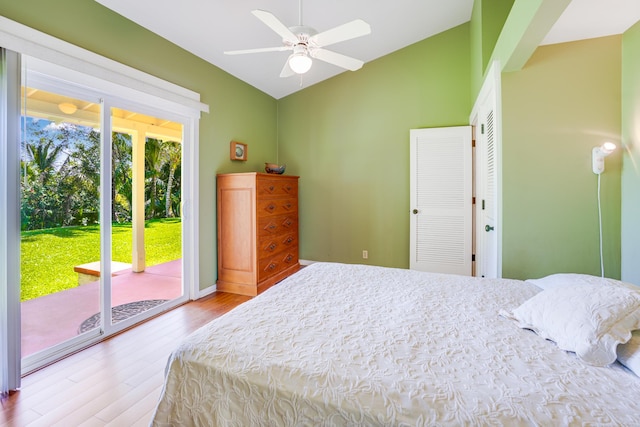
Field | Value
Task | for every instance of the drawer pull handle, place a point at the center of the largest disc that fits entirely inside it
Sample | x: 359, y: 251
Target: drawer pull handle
x: 288, y: 258
x: 271, y: 208
x: 272, y: 247
x: 272, y: 227
x: 271, y: 188
x: 289, y: 240
x: 288, y: 223
x: 271, y: 266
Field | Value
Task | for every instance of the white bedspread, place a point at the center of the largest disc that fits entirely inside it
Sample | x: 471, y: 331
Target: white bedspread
x: 356, y: 345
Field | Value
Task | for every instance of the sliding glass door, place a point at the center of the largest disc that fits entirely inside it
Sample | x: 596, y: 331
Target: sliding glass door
x: 60, y: 214
x: 146, y: 224
x: 100, y: 207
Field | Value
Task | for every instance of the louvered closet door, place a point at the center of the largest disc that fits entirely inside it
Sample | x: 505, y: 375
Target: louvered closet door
x: 441, y: 200
x: 488, y: 219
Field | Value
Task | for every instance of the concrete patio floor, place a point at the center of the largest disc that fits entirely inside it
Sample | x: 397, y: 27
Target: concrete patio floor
x: 54, y: 318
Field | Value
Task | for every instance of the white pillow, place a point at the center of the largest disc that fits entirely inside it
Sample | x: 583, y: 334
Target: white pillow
x: 568, y: 279
x: 590, y: 320
x: 629, y: 353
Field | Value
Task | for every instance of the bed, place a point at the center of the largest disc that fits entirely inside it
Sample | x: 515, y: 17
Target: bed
x: 339, y: 344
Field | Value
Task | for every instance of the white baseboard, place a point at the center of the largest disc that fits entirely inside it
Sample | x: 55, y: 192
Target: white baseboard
x: 206, y: 291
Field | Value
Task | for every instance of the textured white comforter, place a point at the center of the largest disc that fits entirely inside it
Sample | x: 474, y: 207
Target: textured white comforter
x: 357, y: 345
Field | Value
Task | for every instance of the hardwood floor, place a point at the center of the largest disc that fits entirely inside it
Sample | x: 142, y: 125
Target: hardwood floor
x: 116, y: 382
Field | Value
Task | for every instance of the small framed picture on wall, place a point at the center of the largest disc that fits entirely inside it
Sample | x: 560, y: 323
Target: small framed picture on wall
x: 238, y: 151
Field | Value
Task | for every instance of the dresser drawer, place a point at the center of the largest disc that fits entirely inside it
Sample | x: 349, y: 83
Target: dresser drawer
x: 275, y: 225
x: 274, y: 244
x: 277, y: 263
x: 276, y: 206
x: 277, y: 187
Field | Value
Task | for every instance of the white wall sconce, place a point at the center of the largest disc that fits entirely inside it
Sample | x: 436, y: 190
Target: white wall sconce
x: 598, y: 154
x: 597, y: 157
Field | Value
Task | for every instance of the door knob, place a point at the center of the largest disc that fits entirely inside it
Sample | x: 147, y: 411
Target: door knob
x: 415, y: 211
x: 488, y: 228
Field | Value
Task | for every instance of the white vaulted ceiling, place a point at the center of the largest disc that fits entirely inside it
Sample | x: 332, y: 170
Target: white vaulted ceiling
x: 207, y: 28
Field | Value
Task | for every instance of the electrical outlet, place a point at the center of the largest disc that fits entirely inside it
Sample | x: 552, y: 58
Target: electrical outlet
x: 365, y: 254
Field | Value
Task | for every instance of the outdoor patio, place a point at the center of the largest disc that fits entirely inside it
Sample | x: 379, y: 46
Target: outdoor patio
x: 51, y: 319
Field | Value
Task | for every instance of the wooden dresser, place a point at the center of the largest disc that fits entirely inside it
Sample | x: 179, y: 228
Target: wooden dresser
x: 257, y: 231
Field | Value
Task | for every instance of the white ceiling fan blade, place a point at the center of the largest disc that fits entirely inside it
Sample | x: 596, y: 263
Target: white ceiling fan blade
x: 274, y: 23
x: 337, y: 59
x: 258, y: 50
x: 350, y: 30
x: 286, y: 70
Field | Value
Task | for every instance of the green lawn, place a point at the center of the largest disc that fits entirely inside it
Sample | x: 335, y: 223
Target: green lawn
x: 48, y: 256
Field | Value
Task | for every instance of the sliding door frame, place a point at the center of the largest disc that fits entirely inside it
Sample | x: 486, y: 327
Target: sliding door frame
x: 10, y: 362
x: 46, y: 76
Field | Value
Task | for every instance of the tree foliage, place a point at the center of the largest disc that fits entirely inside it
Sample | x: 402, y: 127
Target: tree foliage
x: 61, y: 176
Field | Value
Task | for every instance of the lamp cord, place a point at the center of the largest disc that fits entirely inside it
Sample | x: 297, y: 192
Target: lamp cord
x: 600, y: 228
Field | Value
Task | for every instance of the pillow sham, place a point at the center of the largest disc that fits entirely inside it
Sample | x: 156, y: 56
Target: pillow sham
x: 629, y: 353
x: 589, y: 319
x: 568, y: 279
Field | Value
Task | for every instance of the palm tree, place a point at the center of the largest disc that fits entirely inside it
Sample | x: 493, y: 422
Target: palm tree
x: 44, y: 155
x: 173, y: 152
x: 154, y: 159
x: 121, y: 173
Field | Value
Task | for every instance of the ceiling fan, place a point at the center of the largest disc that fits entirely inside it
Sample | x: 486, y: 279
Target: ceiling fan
x: 306, y: 43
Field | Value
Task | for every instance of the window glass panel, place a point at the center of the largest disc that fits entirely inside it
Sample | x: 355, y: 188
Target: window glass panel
x: 60, y: 209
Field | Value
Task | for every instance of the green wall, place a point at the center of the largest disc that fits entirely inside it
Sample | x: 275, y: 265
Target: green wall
x: 631, y: 159
x: 237, y: 110
x: 348, y: 139
x: 494, y: 15
x: 476, y: 64
x: 488, y: 19
x: 565, y: 101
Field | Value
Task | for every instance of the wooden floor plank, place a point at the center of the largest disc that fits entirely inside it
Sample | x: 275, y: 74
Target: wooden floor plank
x: 93, y: 422
x: 116, y: 382
x: 152, y: 370
x: 135, y: 394
x: 140, y: 412
x: 18, y: 418
x: 80, y: 408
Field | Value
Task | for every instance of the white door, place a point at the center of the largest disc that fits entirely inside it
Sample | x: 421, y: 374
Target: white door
x: 486, y: 117
x: 487, y: 208
x: 441, y: 200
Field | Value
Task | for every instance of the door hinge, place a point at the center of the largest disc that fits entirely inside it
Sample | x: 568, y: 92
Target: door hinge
x: 482, y: 204
x: 482, y: 128
x: 473, y: 257
x: 473, y: 200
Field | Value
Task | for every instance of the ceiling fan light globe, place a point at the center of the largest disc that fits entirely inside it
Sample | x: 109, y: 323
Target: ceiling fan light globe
x: 300, y: 63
